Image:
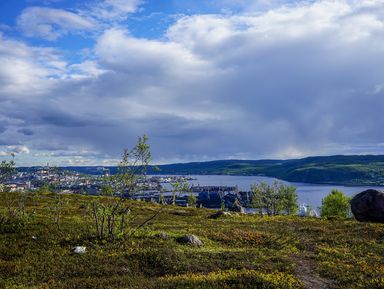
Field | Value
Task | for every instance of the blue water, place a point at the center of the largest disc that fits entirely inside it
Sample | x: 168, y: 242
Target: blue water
x: 310, y: 194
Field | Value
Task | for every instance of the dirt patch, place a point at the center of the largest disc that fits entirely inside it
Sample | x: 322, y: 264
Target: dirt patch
x: 306, y: 273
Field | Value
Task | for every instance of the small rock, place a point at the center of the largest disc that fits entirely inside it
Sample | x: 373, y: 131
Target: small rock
x: 190, y: 240
x: 162, y: 235
x: 79, y: 250
x: 219, y: 214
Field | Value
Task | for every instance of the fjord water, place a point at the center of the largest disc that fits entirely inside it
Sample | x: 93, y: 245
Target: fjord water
x: 310, y: 194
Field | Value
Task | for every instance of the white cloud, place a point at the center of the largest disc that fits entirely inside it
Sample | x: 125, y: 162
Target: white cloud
x: 287, y: 82
x: 290, y: 77
x: 15, y: 150
x: 5, y: 27
x: 85, y: 69
x: 112, y: 10
x: 127, y: 6
x: 27, y: 70
x: 119, y: 51
x: 50, y: 23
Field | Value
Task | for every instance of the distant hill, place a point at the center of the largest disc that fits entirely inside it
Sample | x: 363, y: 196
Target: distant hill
x: 339, y: 169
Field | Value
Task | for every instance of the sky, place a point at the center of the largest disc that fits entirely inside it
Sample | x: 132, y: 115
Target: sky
x: 204, y: 79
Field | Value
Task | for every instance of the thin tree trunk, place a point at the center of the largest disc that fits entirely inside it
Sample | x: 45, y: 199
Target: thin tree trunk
x: 96, y: 217
x: 122, y: 224
x: 102, y: 224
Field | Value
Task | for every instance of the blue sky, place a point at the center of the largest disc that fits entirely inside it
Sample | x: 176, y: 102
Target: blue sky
x: 81, y: 80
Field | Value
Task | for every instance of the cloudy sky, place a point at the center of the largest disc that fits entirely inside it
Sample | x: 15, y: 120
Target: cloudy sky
x: 204, y: 79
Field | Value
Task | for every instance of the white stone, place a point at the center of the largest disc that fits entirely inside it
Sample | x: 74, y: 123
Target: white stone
x: 79, y: 249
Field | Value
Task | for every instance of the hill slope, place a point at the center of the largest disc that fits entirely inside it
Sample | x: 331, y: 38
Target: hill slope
x: 348, y: 170
x: 239, y: 251
x: 343, y: 170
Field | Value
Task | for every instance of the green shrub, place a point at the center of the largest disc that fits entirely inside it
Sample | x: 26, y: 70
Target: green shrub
x: 335, y: 205
x: 9, y: 224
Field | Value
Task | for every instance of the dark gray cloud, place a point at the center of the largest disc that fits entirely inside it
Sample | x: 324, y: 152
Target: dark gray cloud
x: 26, y: 131
x: 2, y: 129
x: 292, y: 81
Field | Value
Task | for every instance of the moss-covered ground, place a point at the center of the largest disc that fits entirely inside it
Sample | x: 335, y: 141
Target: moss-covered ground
x: 239, y: 251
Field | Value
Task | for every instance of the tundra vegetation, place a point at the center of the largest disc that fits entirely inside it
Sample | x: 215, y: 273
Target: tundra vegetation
x: 239, y: 251
x: 136, y: 246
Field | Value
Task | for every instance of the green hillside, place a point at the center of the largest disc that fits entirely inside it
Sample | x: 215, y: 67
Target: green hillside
x: 238, y: 251
x: 342, y: 170
x: 347, y: 170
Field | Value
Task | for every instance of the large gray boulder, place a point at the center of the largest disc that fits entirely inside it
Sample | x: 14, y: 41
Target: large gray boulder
x: 368, y: 206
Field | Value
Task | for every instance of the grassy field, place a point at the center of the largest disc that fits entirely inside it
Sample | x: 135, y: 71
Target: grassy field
x: 239, y: 251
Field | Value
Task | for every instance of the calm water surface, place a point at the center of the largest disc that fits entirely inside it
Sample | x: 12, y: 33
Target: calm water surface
x: 308, y: 193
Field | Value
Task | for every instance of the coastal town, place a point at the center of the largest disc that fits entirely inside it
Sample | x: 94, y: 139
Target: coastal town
x: 151, y: 188
x: 161, y: 189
